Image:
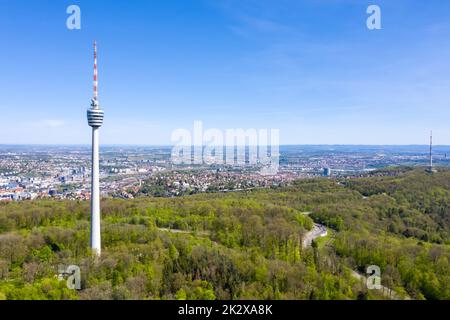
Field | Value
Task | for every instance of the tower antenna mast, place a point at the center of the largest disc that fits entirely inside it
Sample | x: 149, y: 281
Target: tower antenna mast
x: 430, y: 168
x: 95, y: 97
x: 431, y: 150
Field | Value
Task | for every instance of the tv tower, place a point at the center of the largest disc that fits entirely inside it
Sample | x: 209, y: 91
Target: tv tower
x: 95, y: 120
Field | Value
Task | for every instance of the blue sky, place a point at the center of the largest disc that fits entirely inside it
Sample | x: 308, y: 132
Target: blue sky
x: 310, y: 68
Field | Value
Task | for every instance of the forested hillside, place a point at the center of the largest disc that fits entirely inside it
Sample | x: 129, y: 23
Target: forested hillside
x: 243, y: 245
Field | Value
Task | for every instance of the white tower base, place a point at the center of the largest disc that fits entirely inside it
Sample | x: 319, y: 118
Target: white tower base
x: 95, y: 196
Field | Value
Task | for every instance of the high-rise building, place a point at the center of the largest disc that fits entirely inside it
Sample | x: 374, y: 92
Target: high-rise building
x: 95, y: 120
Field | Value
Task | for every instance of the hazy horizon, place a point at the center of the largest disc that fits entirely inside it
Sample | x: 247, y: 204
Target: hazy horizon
x: 170, y: 146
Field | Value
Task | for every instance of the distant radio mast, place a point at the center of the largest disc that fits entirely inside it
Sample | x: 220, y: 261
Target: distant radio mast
x: 430, y: 169
x: 431, y: 151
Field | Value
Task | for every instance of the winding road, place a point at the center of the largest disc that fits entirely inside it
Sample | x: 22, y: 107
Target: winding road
x: 318, y: 230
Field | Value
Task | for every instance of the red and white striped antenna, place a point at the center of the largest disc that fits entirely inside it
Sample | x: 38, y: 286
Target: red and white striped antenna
x: 95, y: 75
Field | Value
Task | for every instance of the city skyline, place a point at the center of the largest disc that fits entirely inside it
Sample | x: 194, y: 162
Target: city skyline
x: 312, y: 70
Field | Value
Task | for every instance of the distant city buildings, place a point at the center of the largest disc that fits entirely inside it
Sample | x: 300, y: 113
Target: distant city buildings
x: 39, y: 172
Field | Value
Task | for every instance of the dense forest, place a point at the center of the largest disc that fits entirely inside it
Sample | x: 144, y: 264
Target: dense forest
x: 240, y: 245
